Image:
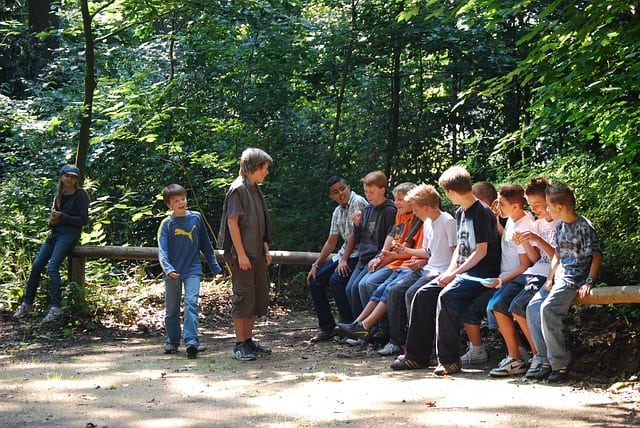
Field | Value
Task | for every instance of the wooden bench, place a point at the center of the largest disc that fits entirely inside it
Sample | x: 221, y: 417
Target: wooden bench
x: 598, y: 296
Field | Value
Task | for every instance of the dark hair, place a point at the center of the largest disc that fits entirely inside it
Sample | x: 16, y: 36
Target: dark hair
x: 336, y: 179
x: 484, y: 191
x: 537, y: 186
x: 514, y: 193
x: 561, y: 194
x: 172, y: 190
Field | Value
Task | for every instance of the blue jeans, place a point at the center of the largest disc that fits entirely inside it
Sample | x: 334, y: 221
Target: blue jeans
x: 456, y: 306
x: 51, y: 255
x: 172, y: 298
x: 338, y: 284
x: 352, y: 290
x: 370, y: 283
x: 327, y: 276
x: 545, y: 314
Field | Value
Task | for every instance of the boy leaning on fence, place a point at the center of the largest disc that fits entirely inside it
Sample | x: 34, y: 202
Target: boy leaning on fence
x: 181, y: 237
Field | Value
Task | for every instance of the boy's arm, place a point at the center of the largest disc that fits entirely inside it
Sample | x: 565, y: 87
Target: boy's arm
x: 525, y: 262
x: 327, y: 248
x: 596, y: 261
x: 555, y: 262
x: 163, y: 250
x: 236, y: 238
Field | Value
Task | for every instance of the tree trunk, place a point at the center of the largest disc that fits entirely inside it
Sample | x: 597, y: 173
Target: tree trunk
x: 341, y: 91
x: 89, y: 88
x: 40, y: 19
x: 394, y: 122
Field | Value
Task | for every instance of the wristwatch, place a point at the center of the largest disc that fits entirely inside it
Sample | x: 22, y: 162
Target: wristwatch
x: 589, y: 281
x: 315, y: 265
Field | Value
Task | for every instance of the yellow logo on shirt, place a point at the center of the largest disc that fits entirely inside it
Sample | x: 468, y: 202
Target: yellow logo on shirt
x: 185, y: 233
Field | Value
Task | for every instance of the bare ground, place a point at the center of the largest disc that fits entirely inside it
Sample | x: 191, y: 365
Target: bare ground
x: 115, y: 377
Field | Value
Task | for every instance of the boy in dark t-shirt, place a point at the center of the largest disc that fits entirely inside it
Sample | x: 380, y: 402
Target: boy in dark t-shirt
x: 477, y: 255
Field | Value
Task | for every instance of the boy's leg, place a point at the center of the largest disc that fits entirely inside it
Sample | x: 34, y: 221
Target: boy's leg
x: 553, y: 310
x: 518, y: 306
x: 396, y: 310
x: 353, y: 295
x: 500, y: 309
x: 172, y: 296
x: 534, y: 321
x: 422, y: 324
x: 370, y: 282
x: 338, y: 285
x: 318, y: 291
x: 455, y: 301
x: 191, y: 311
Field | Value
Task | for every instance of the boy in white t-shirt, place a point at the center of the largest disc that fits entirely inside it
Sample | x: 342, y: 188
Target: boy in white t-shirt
x: 516, y: 294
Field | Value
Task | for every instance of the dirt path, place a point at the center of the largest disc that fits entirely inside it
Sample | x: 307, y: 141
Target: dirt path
x: 128, y: 382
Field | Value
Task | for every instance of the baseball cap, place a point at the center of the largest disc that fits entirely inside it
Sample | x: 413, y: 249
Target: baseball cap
x: 70, y: 169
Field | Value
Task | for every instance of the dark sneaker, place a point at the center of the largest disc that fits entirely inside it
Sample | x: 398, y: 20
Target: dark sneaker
x: 192, y: 351
x: 448, y: 369
x: 257, y: 348
x: 543, y: 372
x: 407, y: 364
x: 557, y: 376
x: 243, y: 353
x: 322, y: 336
x: 354, y: 330
x: 171, y: 349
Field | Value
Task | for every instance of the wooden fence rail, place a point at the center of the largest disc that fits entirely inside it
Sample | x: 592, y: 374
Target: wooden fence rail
x: 598, y: 296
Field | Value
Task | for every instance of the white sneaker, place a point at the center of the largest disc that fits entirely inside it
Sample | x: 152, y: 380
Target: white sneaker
x: 509, y: 367
x: 23, y: 310
x: 390, y: 349
x: 474, y: 356
x: 53, y: 313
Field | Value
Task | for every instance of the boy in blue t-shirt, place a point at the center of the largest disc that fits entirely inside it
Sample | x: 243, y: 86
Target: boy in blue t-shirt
x: 181, y: 237
x: 578, y: 253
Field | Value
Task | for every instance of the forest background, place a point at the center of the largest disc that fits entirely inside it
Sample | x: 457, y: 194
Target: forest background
x: 141, y: 94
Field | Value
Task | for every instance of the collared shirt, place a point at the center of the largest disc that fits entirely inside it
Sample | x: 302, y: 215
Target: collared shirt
x: 342, y: 223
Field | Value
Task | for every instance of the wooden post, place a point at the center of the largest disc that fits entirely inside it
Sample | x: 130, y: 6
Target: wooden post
x: 77, y: 269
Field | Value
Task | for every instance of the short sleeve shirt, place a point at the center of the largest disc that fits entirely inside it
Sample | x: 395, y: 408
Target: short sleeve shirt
x: 342, y: 223
x: 575, y: 244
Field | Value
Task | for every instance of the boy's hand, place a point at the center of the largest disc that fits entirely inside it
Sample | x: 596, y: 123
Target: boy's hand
x: 548, y: 285
x: 584, y: 290
x: 244, y: 262
x: 173, y: 275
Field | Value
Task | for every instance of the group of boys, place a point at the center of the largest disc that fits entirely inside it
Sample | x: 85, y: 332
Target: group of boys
x: 406, y: 271
x: 493, y: 261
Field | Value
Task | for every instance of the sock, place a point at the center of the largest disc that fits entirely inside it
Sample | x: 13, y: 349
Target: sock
x: 475, y: 348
